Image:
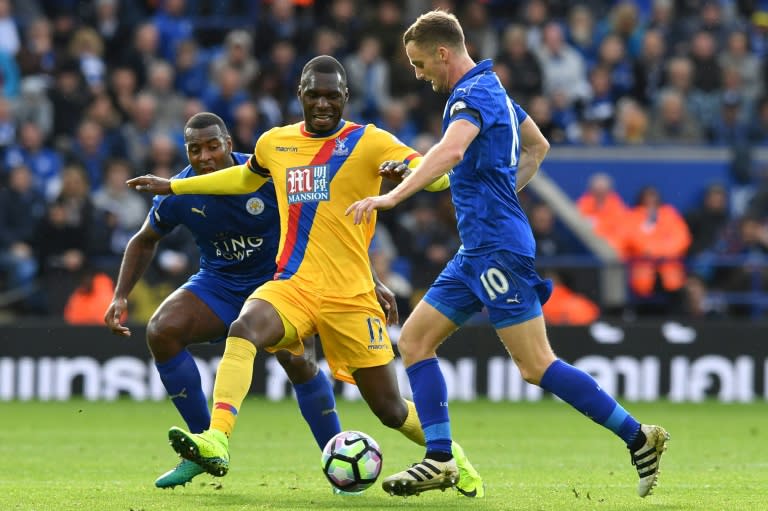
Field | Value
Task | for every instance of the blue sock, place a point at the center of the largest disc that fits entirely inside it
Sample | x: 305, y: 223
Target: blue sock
x: 182, y: 382
x: 318, y: 406
x: 582, y: 392
x: 430, y: 395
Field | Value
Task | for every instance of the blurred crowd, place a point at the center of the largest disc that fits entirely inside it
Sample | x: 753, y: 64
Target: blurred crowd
x: 93, y: 92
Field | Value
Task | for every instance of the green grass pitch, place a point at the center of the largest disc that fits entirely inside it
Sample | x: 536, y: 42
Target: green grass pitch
x: 98, y: 456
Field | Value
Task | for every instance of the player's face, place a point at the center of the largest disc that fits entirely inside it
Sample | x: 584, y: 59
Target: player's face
x: 323, y: 97
x: 208, y: 149
x: 429, y: 66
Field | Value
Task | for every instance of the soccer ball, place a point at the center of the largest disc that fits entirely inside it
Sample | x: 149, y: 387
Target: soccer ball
x: 351, y: 461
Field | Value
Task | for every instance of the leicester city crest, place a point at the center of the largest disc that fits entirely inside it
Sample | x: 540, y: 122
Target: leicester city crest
x: 254, y: 206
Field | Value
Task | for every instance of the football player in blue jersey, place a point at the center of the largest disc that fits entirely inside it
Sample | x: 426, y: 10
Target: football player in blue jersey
x: 492, y: 149
x: 237, y: 237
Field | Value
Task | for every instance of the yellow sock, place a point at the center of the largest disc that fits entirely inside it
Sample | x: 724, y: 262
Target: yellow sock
x: 233, y: 380
x: 411, y: 428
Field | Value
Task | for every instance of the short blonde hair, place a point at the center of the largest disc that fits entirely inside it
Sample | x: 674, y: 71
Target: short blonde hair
x: 435, y: 28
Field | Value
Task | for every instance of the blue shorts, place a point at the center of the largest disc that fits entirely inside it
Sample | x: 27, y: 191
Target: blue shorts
x: 504, y: 282
x: 225, y: 296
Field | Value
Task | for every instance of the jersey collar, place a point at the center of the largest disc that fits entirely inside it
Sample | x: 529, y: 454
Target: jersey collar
x: 322, y: 134
x: 481, y: 67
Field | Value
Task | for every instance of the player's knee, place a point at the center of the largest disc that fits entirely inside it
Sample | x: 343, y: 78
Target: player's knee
x: 298, y: 369
x: 412, y: 351
x: 531, y: 372
x: 392, y: 415
x: 162, y: 339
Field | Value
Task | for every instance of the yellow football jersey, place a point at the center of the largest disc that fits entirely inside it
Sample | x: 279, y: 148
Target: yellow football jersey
x: 316, y: 179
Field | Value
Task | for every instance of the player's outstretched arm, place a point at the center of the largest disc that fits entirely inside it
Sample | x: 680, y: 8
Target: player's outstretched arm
x: 534, y: 147
x: 235, y: 180
x: 396, y: 171
x: 138, y: 254
x: 441, y: 158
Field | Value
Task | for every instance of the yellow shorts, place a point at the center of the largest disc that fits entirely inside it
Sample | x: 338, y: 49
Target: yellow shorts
x: 353, y: 331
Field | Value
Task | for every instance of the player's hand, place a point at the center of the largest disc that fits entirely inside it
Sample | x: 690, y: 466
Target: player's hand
x: 151, y: 184
x: 394, y: 170
x: 363, y: 209
x: 388, y: 303
x: 114, y: 315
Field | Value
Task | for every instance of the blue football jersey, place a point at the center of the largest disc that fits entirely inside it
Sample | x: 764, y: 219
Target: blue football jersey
x: 237, y: 235
x: 483, y: 184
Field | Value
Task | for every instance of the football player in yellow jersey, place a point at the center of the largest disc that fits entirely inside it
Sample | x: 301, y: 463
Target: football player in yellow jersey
x: 323, y: 282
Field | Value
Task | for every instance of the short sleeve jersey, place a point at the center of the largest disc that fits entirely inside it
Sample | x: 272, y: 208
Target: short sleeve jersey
x: 316, y: 178
x: 237, y: 235
x: 483, y: 184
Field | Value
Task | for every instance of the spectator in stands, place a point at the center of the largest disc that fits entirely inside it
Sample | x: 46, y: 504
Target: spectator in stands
x: 535, y: 15
x: 648, y: 68
x: 550, y: 241
x: 112, y: 26
x: 138, y: 132
x: 395, y: 119
x: 540, y: 110
x: 387, y: 26
x: 381, y: 261
x: 341, y: 17
x: 368, y: 77
x: 282, y: 22
x: 673, y: 123
x: 482, y: 39
x: 600, y: 107
x: 631, y: 126
x: 708, y: 221
x: 170, y: 103
x: 38, y: 55
x: 62, y: 239
x: 122, y: 89
x: 700, y: 302
x: 612, y: 56
x: 91, y: 150
x: 10, y: 40
x: 70, y: 97
x: 663, y: 20
x: 7, y: 130
x: 427, y: 242
x: 737, y: 55
x: 731, y: 127
x: 623, y: 21
x: 127, y: 204
x: 191, y: 77
x: 227, y: 93
x: 563, y: 68
x: 248, y: 126
x: 566, y: 307
x: 102, y: 111
x: 707, y: 76
x: 605, y: 210
x: 173, y: 26
x: 745, y: 248
x: 524, y: 69
x: 238, y: 54
x: 657, y: 239
x: 164, y: 156
x: 87, y: 49
x: 44, y: 162
x: 144, y: 50
x: 21, y: 209
x: 580, y: 32
x: 33, y: 105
